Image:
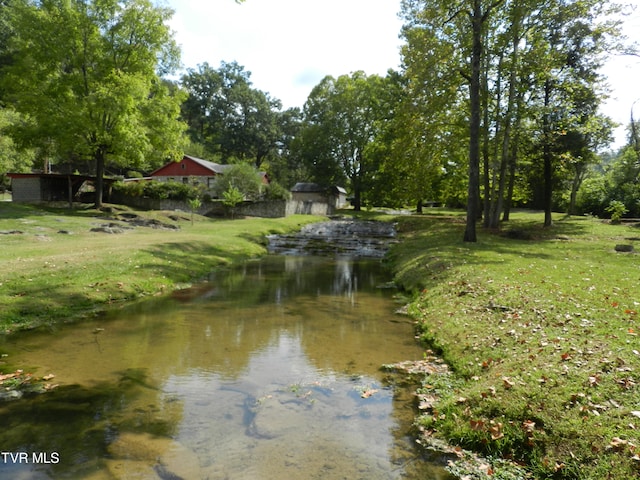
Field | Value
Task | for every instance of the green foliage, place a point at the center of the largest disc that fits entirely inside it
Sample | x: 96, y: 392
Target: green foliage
x: 160, y: 190
x: 194, y: 205
x: 231, y: 198
x: 12, y: 158
x: 533, y: 118
x: 617, y: 209
x: 228, y: 116
x: 243, y: 177
x: 617, y: 182
x: 275, y: 191
x: 343, y: 118
x: 85, y: 75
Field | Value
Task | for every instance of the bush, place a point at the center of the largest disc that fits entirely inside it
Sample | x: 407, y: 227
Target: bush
x: 160, y: 190
x: 593, y: 196
x: 275, y: 191
x: 617, y: 209
x: 243, y: 177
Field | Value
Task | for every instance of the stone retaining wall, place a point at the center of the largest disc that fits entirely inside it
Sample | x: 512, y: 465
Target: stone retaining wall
x: 214, y: 208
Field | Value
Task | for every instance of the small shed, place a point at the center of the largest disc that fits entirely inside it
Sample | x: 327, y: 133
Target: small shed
x: 49, y: 187
x: 190, y: 167
x: 334, y: 196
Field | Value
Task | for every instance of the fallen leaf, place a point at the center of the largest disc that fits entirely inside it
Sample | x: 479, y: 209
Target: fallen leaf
x: 507, y: 383
x: 476, y: 425
x: 368, y: 393
x: 529, y: 426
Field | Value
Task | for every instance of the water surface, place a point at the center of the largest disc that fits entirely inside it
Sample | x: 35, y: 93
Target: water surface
x: 269, y: 371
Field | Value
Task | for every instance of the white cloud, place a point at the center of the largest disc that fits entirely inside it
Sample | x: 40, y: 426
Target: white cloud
x: 289, y: 45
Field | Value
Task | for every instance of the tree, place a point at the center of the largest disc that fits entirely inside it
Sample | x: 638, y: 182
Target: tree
x: 528, y: 69
x: 12, y: 159
x: 244, y: 178
x: 459, y: 27
x: 573, y: 39
x: 87, y: 75
x: 343, y: 117
x: 230, y: 117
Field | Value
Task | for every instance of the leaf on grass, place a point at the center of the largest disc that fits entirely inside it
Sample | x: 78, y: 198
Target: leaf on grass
x: 476, y: 425
x: 529, y: 426
x: 507, y: 383
x: 496, y: 431
x: 618, y: 444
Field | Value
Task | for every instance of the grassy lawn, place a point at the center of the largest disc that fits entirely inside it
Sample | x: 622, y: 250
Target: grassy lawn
x: 55, y: 269
x: 540, y: 329
x: 539, y: 326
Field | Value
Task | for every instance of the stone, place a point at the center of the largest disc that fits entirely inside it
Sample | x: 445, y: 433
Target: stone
x: 624, y: 248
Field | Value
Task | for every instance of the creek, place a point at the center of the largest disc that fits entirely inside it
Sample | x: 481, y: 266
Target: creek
x: 268, y: 371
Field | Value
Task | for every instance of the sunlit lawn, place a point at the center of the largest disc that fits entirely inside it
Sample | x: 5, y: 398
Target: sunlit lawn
x: 542, y: 337
x: 55, y: 269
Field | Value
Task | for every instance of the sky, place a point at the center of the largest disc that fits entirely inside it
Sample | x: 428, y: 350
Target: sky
x: 290, y: 45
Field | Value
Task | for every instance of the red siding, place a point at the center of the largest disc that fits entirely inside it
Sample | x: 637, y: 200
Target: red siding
x: 190, y: 169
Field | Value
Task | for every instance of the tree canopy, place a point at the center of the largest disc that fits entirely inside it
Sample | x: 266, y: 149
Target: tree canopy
x: 228, y: 116
x: 342, y: 118
x: 87, y: 77
x: 527, y: 71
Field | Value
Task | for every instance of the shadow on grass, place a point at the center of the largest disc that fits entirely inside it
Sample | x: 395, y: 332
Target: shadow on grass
x: 431, y: 246
x: 183, y: 262
x: 33, y: 305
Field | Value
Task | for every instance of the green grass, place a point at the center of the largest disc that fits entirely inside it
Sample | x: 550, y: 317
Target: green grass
x: 49, y: 277
x: 541, y: 332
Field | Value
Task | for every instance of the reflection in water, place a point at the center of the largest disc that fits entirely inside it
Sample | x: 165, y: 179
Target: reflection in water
x: 269, y: 371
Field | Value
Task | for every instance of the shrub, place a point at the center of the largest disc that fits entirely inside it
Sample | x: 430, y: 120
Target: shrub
x: 160, y: 190
x: 244, y: 178
x: 275, y: 191
x: 617, y: 209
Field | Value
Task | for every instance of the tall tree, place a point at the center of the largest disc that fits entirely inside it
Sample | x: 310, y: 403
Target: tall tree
x: 87, y: 74
x: 230, y: 117
x: 520, y: 64
x: 459, y: 28
x: 343, y: 117
x: 573, y: 37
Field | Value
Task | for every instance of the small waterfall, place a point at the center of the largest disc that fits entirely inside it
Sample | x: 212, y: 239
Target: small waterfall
x: 344, y: 238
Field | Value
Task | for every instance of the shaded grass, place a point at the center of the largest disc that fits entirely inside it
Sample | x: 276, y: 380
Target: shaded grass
x: 48, y: 277
x: 543, y: 335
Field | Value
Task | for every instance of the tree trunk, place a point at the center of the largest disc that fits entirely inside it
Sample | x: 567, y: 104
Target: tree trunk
x: 506, y: 139
x: 488, y: 190
x: 547, y: 156
x: 474, y: 125
x: 512, y: 178
x: 578, y: 177
x: 100, y: 157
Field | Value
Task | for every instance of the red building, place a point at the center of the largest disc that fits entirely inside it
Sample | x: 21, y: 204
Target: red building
x: 198, y: 169
x: 190, y: 167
